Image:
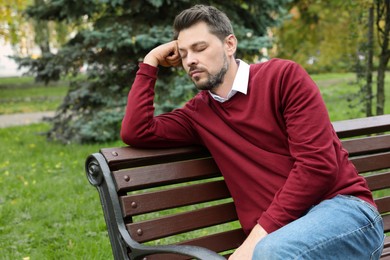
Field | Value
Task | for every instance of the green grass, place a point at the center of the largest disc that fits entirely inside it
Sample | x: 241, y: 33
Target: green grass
x: 339, y: 93
x: 23, y: 95
x: 48, y: 209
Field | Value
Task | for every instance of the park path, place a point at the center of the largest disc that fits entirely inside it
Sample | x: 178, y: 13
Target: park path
x: 23, y: 118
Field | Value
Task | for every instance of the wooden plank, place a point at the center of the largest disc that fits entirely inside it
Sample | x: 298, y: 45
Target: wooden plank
x: 162, y: 174
x: 362, y: 126
x: 367, y: 145
x: 386, y: 249
x: 221, y: 241
x: 378, y: 181
x: 386, y: 223
x: 383, y: 204
x: 372, y: 162
x: 217, y: 242
x: 167, y: 256
x: 125, y: 157
x: 173, y: 198
x: 183, y: 222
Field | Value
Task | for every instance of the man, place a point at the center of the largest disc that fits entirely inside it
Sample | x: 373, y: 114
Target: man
x: 297, y: 195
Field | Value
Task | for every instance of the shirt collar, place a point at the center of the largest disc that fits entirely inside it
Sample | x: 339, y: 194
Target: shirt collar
x: 240, y: 83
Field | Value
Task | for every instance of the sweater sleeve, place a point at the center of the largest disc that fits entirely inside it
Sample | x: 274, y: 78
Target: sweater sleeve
x: 140, y: 128
x: 310, y: 139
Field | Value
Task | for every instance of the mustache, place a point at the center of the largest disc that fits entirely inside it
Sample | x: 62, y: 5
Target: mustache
x: 194, y: 69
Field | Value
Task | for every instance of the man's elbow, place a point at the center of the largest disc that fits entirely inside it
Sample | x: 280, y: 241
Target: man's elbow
x: 129, y: 137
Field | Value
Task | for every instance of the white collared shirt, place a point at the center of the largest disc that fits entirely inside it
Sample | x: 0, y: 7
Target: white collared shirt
x: 240, y: 83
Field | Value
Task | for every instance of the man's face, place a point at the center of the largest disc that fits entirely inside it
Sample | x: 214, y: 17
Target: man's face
x: 203, y: 56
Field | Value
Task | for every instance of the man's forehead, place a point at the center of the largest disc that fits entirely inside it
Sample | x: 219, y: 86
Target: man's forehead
x: 195, y: 35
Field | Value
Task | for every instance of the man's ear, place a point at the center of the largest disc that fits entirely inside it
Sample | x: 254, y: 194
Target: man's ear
x: 231, y: 44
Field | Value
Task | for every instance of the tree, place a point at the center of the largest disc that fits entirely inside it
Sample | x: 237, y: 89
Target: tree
x: 25, y: 35
x: 322, y: 35
x: 334, y: 35
x: 383, y: 27
x: 115, y: 35
x: 370, y: 56
x: 12, y: 22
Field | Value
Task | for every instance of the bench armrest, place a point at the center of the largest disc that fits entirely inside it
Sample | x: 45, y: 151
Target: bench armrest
x: 99, y: 175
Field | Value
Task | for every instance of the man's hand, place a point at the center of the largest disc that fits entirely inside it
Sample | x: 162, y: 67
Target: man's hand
x: 245, y: 251
x: 166, y: 55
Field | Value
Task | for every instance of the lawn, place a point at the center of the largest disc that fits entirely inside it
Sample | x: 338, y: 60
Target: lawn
x: 340, y: 93
x: 48, y: 209
x: 23, y: 95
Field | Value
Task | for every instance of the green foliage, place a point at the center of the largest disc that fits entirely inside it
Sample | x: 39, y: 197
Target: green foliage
x: 117, y: 35
x: 313, y: 38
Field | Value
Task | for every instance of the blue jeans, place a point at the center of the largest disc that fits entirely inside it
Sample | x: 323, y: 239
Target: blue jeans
x: 344, y: 227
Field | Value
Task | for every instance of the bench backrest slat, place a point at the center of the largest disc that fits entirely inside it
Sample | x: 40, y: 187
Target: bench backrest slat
x: 367, y: 145
x: 214, y: 242
x: 178, y: 223
x: 362, y: 126
x: 121, y: 157
x: 378, y: 181
x: 372, y: 162
x: 165, y: 173
x: 383, y: 204
x: 172, y: 198
x: 386, y: 223
x: 217, y: 241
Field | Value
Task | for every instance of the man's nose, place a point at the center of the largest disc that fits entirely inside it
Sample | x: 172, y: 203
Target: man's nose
x: 191, y: 59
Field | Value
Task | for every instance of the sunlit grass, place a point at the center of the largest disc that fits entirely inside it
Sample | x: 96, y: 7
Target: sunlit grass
x: 340, y: 93
x: 48, y: 209
x: 23, y: 95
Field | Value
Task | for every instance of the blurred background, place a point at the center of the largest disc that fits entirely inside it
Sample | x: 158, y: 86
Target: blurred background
x: 74, y: 61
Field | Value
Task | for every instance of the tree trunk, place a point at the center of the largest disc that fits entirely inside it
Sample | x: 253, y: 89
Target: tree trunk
x: 369, y: 68
x: 383, y: 25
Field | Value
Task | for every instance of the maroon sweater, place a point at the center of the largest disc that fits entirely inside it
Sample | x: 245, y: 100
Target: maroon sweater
x: 275, y: 146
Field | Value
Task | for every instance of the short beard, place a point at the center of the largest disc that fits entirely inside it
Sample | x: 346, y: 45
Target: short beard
x: 213, y: 81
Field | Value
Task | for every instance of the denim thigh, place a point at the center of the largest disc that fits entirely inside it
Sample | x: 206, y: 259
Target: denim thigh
x: 344, y: 227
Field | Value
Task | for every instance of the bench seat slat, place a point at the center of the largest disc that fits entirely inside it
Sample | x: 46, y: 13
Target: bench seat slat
x: 378, y: 181
x: 366, y: 145
x: 372, y: 162
x: 167, y: 173
x: 173, y: 198
x: 183, y: 222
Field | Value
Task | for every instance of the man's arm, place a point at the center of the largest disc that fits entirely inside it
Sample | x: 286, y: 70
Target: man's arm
x: 140, y: 128
x: 311, y: 145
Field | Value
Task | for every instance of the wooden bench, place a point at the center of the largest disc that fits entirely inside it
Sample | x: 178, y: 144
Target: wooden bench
x: 155, y: 199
